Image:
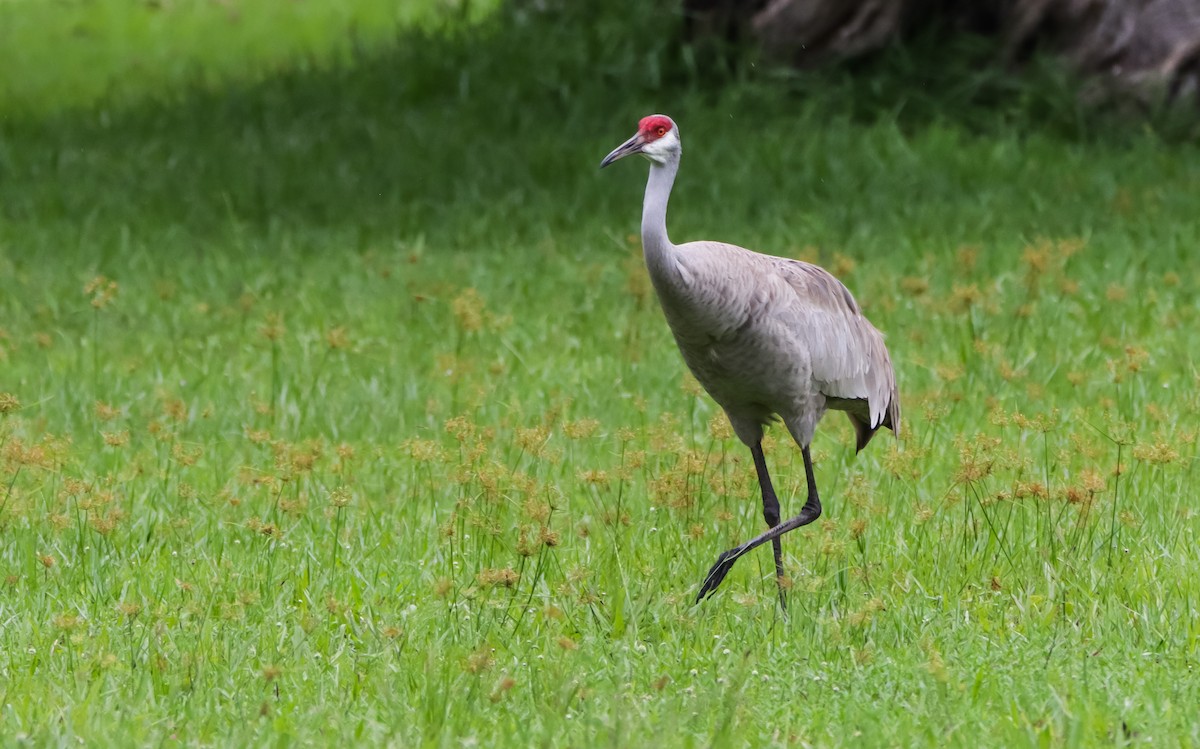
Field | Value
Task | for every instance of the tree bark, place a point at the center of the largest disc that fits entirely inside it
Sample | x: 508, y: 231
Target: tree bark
x: 1146, y: 47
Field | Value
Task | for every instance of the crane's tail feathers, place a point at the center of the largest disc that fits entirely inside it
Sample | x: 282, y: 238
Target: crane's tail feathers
x: 859, y: 412
x: 864, y: 431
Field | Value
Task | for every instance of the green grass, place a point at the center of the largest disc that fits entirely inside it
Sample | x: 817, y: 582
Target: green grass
x: 380, y: 437
x: 67, y: 53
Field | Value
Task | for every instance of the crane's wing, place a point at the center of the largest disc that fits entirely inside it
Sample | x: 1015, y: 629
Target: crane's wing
x: 850, y: 361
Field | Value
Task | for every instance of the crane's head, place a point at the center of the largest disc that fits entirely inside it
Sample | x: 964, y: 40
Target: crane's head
x: 657, y: 139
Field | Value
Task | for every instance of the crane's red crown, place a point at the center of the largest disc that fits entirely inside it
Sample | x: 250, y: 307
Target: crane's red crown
x: 654, y: 127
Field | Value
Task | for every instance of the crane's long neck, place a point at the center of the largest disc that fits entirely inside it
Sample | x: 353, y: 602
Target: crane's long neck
x: 655, y: 244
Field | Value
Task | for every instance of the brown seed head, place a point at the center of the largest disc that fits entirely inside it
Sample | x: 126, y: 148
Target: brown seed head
x: 105, y: 412
x: 116, y: 439
x: 101, y: 290
x: 340, y: 497
x: 129, y: 609
x: 65, y: 622
x: 490, y: 577
x: 273, y: 328
x: 337, y: 338
x: 9, y: 403
x: 468, y: 310
x: 479, y: 661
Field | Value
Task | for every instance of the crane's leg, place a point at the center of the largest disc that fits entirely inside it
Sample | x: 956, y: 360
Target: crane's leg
x: 810, y: 512
x: 771, y: 515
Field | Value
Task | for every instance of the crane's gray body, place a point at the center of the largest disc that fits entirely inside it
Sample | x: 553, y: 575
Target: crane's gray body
x: 768, y: 336
x: 765, y: 336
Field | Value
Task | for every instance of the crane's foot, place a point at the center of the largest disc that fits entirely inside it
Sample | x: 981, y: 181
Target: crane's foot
x: 718, y: 572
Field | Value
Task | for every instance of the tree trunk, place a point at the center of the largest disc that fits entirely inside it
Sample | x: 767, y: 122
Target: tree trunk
x: 1146, y: 47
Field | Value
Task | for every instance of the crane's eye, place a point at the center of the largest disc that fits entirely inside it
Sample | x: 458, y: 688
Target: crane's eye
x: 660, y: 131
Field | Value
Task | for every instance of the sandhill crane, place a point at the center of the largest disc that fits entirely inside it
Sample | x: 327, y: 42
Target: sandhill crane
x: 767, y: 337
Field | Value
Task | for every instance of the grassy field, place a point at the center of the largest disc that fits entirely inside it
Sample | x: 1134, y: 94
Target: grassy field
x: 335, y: 405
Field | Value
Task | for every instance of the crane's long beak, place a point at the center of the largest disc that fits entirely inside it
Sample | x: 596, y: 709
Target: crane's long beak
x: 631, y: 146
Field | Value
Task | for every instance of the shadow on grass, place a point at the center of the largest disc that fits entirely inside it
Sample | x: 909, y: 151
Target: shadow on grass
x: 434, y: 128
x: 456, y: 133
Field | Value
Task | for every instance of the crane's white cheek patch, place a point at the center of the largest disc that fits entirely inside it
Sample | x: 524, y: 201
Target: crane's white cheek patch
x: 659, y: 149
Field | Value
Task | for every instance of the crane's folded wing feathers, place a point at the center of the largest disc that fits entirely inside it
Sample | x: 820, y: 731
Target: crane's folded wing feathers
x: 849, y: 358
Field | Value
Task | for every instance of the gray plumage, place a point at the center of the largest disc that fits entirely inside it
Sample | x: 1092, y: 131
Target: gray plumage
x: 765, y: 336
x: 768, y: 336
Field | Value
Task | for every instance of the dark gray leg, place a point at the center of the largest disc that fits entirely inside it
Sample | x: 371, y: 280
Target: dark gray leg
x: 771, y: 515
x: 810, y: 512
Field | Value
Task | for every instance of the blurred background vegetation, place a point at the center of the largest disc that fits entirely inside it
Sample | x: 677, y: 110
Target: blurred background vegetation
x: 428, y: 118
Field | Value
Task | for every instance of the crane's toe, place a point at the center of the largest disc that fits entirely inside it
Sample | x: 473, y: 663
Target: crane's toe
x: 717, y: 574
